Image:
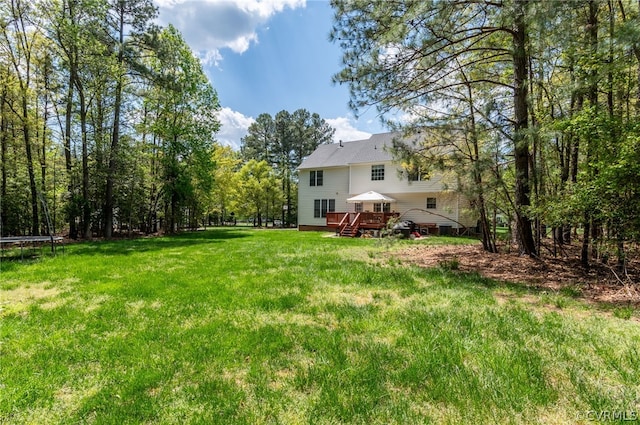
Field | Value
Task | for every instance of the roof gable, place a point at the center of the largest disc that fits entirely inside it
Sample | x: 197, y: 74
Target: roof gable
x: 373, y: 149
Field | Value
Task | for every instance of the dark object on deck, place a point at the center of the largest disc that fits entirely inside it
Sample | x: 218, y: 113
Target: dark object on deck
x: 405, y: 227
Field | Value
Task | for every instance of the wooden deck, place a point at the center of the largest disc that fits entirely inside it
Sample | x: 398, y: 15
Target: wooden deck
x: 350, y: 223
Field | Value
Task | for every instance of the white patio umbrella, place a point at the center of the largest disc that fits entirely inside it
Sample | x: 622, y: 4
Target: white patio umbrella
x: 370, y: 196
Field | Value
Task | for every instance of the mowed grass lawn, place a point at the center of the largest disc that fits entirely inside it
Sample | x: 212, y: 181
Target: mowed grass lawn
x: 265, y: 326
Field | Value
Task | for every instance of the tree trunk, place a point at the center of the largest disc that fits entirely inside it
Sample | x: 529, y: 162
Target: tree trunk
x: 173, y: 222
x: 86, y: 210
x: 73, y: 231
x: 584, y: 255
x: 115, y: 136
x: 488, y: 243
x: 3, y: 157
x: 289, y: 205
x: 591, y: 227
x: 112, y: 168
x: 521, y: 151
x: 43, y: 146
x: 35, y: 221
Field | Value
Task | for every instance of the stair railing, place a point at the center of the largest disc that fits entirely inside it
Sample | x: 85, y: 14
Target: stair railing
x: 343, y: 223
x: 355, y: 224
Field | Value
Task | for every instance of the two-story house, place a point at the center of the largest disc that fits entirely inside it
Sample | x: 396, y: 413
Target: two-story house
x: 357, y: 185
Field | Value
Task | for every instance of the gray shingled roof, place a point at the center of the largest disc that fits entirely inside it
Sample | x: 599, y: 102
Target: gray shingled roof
x: 356, y: 152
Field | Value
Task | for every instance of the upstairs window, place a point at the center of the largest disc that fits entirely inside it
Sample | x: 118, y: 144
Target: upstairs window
x: 316, y: 178
x: 377, y: 172
x: 431, y: 203
x: 417, y: 175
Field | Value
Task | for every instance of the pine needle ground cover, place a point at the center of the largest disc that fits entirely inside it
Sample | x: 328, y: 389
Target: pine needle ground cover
x: 243, y: 326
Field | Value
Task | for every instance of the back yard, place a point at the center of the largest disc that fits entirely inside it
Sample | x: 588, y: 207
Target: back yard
x: 260, y: 326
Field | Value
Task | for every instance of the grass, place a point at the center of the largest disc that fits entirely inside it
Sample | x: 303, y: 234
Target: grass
x: 269, y: 326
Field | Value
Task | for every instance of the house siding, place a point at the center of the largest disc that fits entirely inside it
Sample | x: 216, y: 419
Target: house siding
x: 347, y: 173
x: 451, y: 209
x: 394, y: 181
x: 335, y: 186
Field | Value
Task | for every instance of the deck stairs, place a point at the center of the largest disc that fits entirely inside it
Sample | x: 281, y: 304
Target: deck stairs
x: 349, y: 228
x: 350, y: 231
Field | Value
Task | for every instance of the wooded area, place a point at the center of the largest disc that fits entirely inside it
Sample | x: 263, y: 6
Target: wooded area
x: 107, y: 119
x: 534, y: 105
x: 282, y: 142
x: 108, y: 124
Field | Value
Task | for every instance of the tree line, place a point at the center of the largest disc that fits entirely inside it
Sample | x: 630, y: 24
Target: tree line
x: 534, y: 105
x: 108, y: 123
x: 260, y: 182
x: 107, y: 119
x: 282, y: 142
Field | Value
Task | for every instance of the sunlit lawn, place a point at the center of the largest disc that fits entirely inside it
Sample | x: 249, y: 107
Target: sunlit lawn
x: 270, y: 326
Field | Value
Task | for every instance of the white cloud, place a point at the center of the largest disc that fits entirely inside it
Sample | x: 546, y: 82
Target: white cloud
x: 345, y: 130
x: 211, y: 25
x: 234, y: 126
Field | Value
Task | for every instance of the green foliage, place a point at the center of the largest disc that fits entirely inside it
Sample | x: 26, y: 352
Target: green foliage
x: 227, y: 184
x: 136, y: 114
x: 185, y: 124
x: 259, y: 192
x: 283, y: 142
x: 608, y: 185
x: 534, y: 105
x: 450, y: 264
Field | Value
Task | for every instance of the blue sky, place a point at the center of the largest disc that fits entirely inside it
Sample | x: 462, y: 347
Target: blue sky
x: 266, y: 56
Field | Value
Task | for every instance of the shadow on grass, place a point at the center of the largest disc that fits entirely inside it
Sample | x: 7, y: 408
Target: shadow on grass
x: 11, y: 262
x: 558, y: 299
x: 455, y: 278
x: 149, y: 244
x: 14, y: 257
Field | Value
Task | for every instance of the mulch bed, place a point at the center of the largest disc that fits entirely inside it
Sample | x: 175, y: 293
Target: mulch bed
x: 602, y: 284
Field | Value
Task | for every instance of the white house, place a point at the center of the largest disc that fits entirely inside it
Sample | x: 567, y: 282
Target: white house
x: 358, y: 183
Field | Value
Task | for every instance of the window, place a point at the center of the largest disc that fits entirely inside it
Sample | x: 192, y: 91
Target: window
x: 359, y: 207
x: 431, y: 203
x: 382, y: 207
x: 316, y: 178
x: 377, y: 172
x: 322, y: 206
x: 417, y: 175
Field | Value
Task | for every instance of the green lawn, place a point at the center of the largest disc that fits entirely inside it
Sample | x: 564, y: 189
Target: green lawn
x: 270, y: 326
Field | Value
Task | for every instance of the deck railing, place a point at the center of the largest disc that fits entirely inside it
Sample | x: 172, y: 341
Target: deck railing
x: 367, y: 219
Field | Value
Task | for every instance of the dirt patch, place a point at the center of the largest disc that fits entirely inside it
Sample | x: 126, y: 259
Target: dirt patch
x: 20, y: 298
x: 601, y: 284
x: 29, y: 293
